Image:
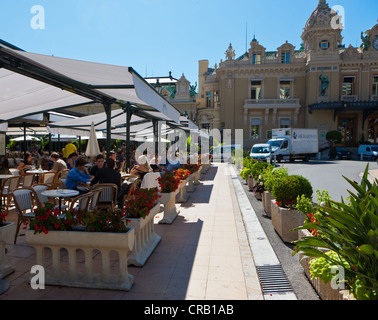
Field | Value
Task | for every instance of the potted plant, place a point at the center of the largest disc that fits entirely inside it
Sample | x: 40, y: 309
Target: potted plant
x: 183, y: 175
x: 140, y: 211
x: 269, y: 178
x: 348, y: 229
x: 257, y: 172
x: 168, y: 187
x: 285, y: 217
x: 193, y: 168
x: 99, y: 230
x: 7, y: 231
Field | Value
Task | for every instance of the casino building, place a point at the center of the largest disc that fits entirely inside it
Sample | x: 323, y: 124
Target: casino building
x: 324, y: 84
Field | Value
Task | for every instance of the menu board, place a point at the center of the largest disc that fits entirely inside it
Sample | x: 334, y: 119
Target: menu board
x: 2, y: 144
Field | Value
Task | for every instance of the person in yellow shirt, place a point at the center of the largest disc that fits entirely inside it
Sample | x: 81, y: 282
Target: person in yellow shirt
x: 68, y: 149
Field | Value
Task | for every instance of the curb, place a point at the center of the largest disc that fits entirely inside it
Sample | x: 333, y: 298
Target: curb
x: 262, y: 251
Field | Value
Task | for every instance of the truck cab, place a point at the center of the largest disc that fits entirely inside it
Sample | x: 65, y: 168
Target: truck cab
x: 280, y: 147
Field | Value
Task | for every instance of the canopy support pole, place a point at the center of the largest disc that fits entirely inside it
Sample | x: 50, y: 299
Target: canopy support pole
x: 108, y: 111
x: 155, y: 125
x: 128, y: 141
x: 25, y: 146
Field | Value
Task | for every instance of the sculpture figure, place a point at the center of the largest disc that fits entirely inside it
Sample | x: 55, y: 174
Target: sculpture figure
x: 366, y: 43
x: 324, y: 84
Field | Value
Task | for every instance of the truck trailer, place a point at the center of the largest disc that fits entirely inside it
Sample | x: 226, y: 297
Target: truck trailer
x: 294, y: 143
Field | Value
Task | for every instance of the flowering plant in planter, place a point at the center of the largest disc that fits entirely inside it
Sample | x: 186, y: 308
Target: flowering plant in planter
x: 140, y: 203
x: 168, y: 182
x: 47, y: 219
x: 182, y: 174
x: 312, y: 210
x: 3, y: 216
x: 191, y: 167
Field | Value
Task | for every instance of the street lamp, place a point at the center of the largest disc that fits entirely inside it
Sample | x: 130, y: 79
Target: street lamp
x: 345, y: 121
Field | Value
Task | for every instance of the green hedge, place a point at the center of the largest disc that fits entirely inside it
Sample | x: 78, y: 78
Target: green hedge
x: 287, y: 189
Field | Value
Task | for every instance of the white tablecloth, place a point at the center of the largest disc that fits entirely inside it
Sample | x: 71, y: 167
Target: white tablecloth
x: 150, y: 180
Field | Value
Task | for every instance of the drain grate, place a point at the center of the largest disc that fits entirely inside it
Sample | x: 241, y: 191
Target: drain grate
x: 273, y: 279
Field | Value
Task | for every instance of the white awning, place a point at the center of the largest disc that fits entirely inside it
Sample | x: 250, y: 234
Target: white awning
x: 21, y: 95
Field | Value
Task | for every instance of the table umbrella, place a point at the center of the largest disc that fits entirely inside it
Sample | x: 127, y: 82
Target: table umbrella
x: 93, y: 148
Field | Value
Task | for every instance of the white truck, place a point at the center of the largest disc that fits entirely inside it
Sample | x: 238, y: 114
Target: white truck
x: 291, y: 144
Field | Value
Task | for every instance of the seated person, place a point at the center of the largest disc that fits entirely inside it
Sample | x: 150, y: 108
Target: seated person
x: 108, y: 174
x: 25, y: 164
x: 59, y: 164
x: 100, y: 161
x: 142, y: 168
x: 173, y: 164
x: 155, y: 164
x: 113, y: 155
x: 71, y: 160
x: 77, y: 176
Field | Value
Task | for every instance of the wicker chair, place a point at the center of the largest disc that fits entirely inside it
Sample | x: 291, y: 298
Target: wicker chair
x: 24, y: 200
x: 108, y: 197
x: 7, y: 187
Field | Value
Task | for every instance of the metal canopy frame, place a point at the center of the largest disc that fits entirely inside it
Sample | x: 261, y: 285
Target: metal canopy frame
x: 32, y: 69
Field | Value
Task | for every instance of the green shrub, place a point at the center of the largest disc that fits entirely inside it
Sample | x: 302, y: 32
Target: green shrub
x: 321, y: 267
x: 334, y: 135
x: 287, y: 189
x: 246, y: 172
x: 270, y: 177
x: 259, y: 167
x: 350, y: 230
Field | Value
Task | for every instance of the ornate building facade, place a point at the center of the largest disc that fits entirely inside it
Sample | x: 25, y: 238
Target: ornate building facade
x: 321, y: 85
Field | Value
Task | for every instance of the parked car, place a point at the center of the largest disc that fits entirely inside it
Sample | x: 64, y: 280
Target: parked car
x: 368, y: 151
x: 342, y: 153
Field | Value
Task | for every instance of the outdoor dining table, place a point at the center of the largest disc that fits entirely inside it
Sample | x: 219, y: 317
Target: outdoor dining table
x: 60, y: 193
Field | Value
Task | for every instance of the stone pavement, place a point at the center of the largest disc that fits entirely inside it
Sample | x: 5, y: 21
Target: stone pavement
x: 204, y: 255
x: 373, y: 174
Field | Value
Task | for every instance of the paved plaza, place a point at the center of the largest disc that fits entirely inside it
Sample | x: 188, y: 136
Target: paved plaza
x: 210, y: 252
x: 204, y: 254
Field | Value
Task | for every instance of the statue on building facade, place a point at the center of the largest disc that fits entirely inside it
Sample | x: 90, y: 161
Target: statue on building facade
x: 366, y: 43
x: 230, y: 53
x: 192, y: 90
x: 324, y: 84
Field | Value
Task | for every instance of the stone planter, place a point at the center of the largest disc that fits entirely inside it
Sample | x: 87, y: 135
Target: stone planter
x: 88, y: 242
x: 183, y: 196
x: 267, y: 198
x: 191, y: 186
x: 205, y: 167
x: 284, y: 220
x: 258, y: 195
x: 251, y: 182
x: 170, y: 211
x: 146, y: 240
x: 7, y: 232
x: 324, y: 290
x: 197, y: 176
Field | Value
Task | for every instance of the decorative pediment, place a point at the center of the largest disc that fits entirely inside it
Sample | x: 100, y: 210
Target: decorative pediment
x: 286, y: 47
x: 256, y: 47
x: 351, y: 53
x: 373, y: 31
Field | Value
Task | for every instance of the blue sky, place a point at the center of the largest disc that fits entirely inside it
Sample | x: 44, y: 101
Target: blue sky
x: 155, y: 37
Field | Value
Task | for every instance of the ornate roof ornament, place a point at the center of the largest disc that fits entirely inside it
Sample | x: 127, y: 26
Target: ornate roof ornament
x: 230, y: 53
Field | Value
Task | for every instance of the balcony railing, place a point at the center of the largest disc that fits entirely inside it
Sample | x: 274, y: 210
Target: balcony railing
x: 350, y: 98
x: 278, y: 102
x: 374, y: 98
